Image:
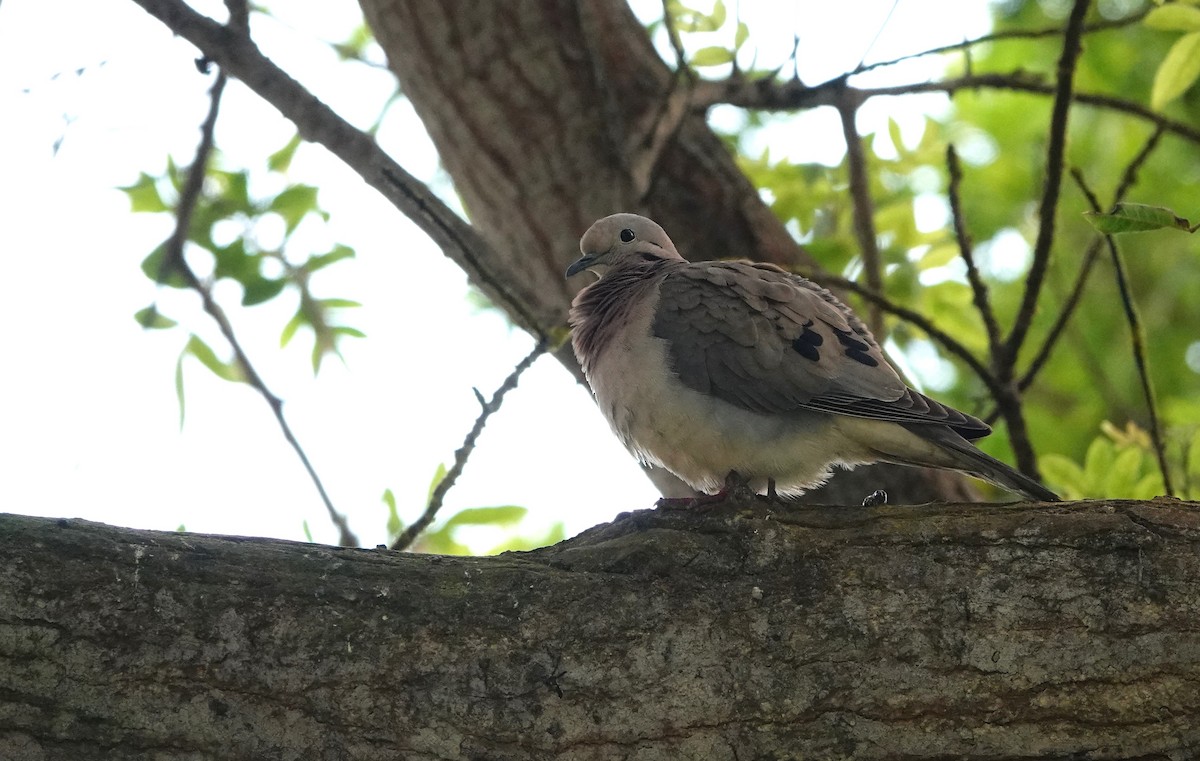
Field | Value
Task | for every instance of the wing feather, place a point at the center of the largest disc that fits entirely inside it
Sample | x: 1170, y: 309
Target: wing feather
x: 773, y: 342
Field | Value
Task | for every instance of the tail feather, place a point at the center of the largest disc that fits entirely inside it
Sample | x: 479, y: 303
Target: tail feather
x: 973, y: 461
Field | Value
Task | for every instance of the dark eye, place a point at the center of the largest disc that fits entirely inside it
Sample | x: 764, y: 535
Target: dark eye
x: 627, y: 235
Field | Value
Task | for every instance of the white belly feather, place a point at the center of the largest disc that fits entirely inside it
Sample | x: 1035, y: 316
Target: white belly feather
x: 701, y: 438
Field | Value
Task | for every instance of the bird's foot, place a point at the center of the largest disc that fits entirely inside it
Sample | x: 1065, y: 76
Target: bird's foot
x: 736, y: 487
x: 702, y: 502
x: 875, y: 498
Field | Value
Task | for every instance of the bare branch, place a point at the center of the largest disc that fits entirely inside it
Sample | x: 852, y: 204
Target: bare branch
x: 1004, y: 36
x: 792, y: 95
x: 1137, y: 337
x: 1055, y: 161
x: 189, y: 197
x: 863, y: 208
x: 1064, y: 316
x: 410, y: 533
x: 979, y: 288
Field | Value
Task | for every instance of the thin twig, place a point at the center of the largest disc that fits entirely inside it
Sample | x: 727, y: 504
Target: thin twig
x: 1023, y: 82
x: 1137, y: 339
x: 789, y: 95
x: 189, y: 198
x: 862, y: 207
x: 1064, y: 315
x: 1004, y: 36
x: 979, y: 288
x: 1055, y: 161
x: 1130, y: 176
x: 410, y: 533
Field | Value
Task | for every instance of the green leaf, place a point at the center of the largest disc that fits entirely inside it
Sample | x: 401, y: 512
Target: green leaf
x: 144, y: 196
x: 1136, y: 218
x: 224, y: 370
x: 1174, y: 18
x: 348, y: 331
x: 233, y: 192
x: 1177, y: 72
x: 897, y: 138
x: 179, y: 384
x: 234, y: 262
x: 289, y: 330
x: 281, y: 160
x: 319, y: 261
x: 394, y: 524
x: 507, y: 515
x: 260, y: 290
x: 554, y: 535
x: 741, y: 35
x: 1063, y: 474
x: 713, y: 55
x: 1149, y: 487
x: 151, y: 318
x: 938, y: 256
x: 1121, y: 480
x: 293, y: 204
x: 718, y: 15
x: 181, y: 528
x: 1099, y: 460
x: 152, y: 267
x: 307, y: 531
x: 339, y: 303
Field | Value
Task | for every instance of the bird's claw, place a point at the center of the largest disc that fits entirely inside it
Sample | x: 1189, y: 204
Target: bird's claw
x: 875, y: 498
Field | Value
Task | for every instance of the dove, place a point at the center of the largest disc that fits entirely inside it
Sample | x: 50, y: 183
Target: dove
x: 736, y: 372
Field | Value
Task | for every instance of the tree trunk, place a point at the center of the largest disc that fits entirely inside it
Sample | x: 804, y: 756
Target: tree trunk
x: 951, y: 631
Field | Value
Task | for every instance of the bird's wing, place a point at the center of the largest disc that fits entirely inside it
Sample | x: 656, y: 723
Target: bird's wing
x: 769, y: 341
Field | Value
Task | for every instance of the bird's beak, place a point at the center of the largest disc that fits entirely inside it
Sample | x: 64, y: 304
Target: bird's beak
x: 582, y: 263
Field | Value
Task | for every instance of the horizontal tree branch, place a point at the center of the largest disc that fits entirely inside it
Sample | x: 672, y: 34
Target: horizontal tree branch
x: 791, y: 95
x: 938, y: 631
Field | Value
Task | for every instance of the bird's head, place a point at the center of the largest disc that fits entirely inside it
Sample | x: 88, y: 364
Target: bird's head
x: 621, y: 240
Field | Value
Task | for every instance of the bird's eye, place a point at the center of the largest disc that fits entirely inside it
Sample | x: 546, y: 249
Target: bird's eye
x: 627, y: 235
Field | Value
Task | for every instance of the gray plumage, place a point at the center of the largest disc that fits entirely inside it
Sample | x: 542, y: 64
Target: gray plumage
x: 710, y: 367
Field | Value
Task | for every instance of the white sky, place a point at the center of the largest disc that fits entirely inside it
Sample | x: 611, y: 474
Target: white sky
x: 88, y: 417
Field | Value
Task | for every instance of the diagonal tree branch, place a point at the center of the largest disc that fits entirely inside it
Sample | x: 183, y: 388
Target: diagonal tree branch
x: 790, y: 95
x: 409, y: 535
x: 1004, y: 36
x: 1137, y: 337
x: 862, y: 207
x: 1055, y: 161
x: 979, y: 288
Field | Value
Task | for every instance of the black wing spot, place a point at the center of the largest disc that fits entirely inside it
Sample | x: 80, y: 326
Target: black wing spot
x: 855, y: 349
x: 806, y: 345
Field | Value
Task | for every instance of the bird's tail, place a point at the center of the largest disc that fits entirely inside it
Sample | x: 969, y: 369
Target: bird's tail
x: 971, y: 460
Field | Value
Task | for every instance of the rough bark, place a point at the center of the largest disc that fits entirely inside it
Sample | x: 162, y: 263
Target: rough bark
x: 975, y: 632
